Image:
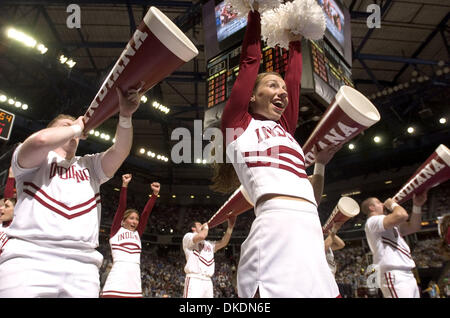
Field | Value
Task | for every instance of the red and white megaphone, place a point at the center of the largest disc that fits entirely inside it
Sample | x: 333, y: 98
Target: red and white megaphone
x: 239, y: 202
x: 345, y: 209
x: 157, y: 48
x: 348, y: 115
x: 434, y: 171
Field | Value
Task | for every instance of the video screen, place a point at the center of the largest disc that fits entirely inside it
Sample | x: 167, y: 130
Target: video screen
x: 226, y: 21
x: 335, y: 19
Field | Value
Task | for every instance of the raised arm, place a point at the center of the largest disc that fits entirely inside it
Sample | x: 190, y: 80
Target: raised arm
x: 318, y: 178
x: 155, y: 186
x: 117, y: 222
x: 35, y: 148
x: 414, y: 223
x: 198, y: 237
x: 235, y: 113
x: 332, y: 240
x: 9, y: 186
x: 114, y: 156
x: 226, y: 237
x: 397, y: 217
x: 293, y: 79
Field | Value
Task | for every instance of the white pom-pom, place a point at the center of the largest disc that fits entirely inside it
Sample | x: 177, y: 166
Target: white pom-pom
x: 242, y: 7
x: 309, y: 20
x: 300, y: 17
x: 272, y: 28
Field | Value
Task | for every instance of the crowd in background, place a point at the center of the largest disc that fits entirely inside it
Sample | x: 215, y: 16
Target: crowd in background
x: 163, y: 273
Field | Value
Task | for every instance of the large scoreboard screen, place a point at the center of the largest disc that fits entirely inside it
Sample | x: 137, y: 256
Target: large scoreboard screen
x: 328, y: 71
x: 222, y: 71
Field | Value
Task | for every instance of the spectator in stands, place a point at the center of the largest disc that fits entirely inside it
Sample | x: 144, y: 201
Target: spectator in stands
x: 433, y: 289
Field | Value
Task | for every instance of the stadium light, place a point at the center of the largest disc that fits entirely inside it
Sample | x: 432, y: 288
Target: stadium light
x: 26, y: 40
x: 12, y: 101
x: 161, y: 107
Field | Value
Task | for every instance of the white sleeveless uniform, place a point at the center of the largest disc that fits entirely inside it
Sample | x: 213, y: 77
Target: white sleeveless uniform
x: 199, y: 267
x: 283, y: 253
x: 392, y: 254
x: 124, y: 279
x: 51, y: 251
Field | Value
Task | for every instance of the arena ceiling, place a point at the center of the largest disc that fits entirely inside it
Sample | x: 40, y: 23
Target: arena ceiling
x: 402, y: 66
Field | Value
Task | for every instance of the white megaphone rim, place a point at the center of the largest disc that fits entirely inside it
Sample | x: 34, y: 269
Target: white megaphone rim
x: 357, y: 106
x: 348, y: 206
x: 444, y: 153
x: 170, y: 35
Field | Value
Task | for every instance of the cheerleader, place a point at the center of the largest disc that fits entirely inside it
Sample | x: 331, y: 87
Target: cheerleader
x: 124, y: 279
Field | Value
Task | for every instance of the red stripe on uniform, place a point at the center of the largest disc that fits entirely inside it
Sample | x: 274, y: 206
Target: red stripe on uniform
x: 396, y: 244
x: 273, y: 151
x: 397, y: 248
x: 204, y: 260
x: 198, y: 254
x: 125, y: 245
x: 387, y: 282
x: 186, y: 287
x: 3, y: 245
x: 393, y: 288
x: 48, y: 206
x: 131, y: 295
x: 276, y: 165
x: 116, y: 296
x: 297, y: 165
x: 129, y: 252
x: 59, y: 202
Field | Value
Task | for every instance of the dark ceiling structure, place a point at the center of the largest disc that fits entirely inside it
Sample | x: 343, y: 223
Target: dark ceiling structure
x: 403, y: 67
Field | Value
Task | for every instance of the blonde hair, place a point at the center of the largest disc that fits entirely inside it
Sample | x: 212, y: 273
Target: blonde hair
x: 60, y: 116
x: 128, y: 212
x: 365, y: 205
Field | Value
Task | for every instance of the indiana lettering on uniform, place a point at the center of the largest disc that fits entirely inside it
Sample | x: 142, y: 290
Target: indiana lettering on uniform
x: 127, y: 235
x: 203, y: 247
x: 264, y: 133
x: 69, y: 173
